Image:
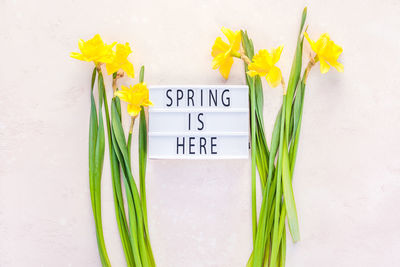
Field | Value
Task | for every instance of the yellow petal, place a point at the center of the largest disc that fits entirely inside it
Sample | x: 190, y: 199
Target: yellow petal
x: 274, y: 77
x: 97, y: 39
x: 136, y: 96
x: 225, y: 67
x: 120, y: 60
x: 223, y: 52
x: 77, y: 56
x: 335, y: 50
x: 111, y: 68
x: 237, y: 41
x: 338, y: 66
x: 218, y: 61
x: 219, y: 47
x: 125, y: 88
x: 322, y: 40
x: 147, y: 103
x: 327, y: 51
x: 276, y: 54
x: 81, y: 44
x: 122, y: 95
x: 229, y: 34
x: 94, y: 50
x: 128, y: 68
x: 324, y: 67
x: 261, y: 62
x: 133, y: 110
x: 311, y: 42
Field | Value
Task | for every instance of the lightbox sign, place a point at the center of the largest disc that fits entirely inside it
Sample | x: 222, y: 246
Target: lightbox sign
x: 199, y: 122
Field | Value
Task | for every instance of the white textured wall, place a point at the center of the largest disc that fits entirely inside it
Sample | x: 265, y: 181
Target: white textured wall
x: 347, y: 179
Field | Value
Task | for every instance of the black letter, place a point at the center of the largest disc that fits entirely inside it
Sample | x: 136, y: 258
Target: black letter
x: 182, y: 145
x: 170, y: 104
x: 202, y: 123
x: 191, y: 145
x: 227, y: 98
x: 190, y: 93
x: 214, y: 97
x: 213, y: 145
x: 189, y: 120
x: 203, y: 145
x: 178, y: 97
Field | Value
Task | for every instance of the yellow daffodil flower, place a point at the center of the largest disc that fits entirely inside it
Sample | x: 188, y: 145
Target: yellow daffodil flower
x: 94, y: 50
x: 263, y: 64
x: 136, y: 96
x: 327, y: 52
x: 223, y: 53
x: 120, y: 60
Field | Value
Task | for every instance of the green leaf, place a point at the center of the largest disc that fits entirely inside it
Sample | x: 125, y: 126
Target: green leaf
x: 263, y: 161
x: 247, y: 45
x: 126, y: 167
x: 250, y: 261
x: 142, y: 170
x: 288, y: 195
x: 293, y: 79
x: 297, y: 108
x: 291, y: 117
x: 283, y: 249
x: 252, y: 98
x: 303, y: 20
x: 295, y: 142
x: 98, y: 163
x: 262, y: 146
x: 133, y: 235
x: 117, y: 103
x: 265, y: 220
x: 117, y: 192
x: 120, y: 136
x: 141, y: 75
x: 143, y: 161
x: 253, y: 161
x: 278, y: 194
x: 295, y: 70
x: 93, y: 125
x: 275, y: 141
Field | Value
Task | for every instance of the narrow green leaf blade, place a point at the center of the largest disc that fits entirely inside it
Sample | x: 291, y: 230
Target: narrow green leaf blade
x: 93, y: 125
x: 289, y: 196
x: 98, y: 162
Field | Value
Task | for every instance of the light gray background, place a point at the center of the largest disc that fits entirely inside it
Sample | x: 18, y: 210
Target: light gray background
x: 346, y: 184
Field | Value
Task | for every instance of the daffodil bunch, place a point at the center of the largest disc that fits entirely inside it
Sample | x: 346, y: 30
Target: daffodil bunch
x: 275, y: 164
x: 133, y: 227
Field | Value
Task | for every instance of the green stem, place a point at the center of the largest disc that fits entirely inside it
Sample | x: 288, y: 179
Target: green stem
x: 129, y: 141
x: 253, y: 161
